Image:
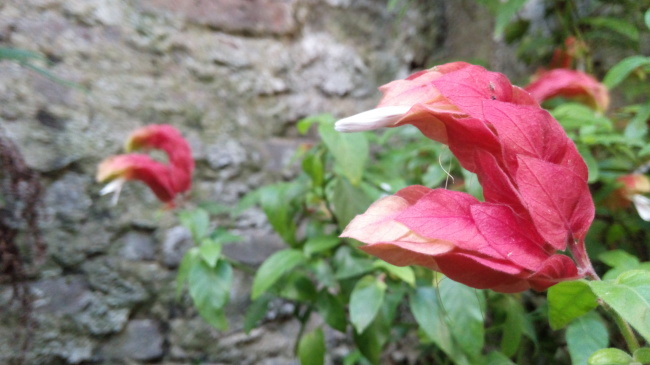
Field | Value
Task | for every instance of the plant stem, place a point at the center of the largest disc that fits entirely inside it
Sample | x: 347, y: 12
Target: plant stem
x: 624, y: 327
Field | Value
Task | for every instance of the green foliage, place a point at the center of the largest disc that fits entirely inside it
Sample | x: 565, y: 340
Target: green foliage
x: 568, y: 301
x: 369, y: 300
x: 584, y: 336
x: 207, y: 273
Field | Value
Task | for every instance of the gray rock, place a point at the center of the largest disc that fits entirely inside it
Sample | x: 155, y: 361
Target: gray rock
x: 140, y: 340
x: 99, y: 319
x: 64, y: 295
x: 67, y: 197
x: 177, y: 241
x: 137, y: 246
x: 120, y: 291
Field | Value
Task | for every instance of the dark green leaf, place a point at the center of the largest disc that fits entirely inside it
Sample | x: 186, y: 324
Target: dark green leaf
x: 506, y: 10
x: 210, y: 290
x: 370, y: 342
x: 569, y: 300
x: 320, y: 243
x: 277, y: 201
x: 350, y: 150
x: 497, y: 358
x: 324, y: 274
x: 311, y: 349
x: 332, y: 310
x: 584, y: 336
x: 646, y: 18
x: 273, y: 268
x: 620, y: 26
x: 365, y: 301
x: 256, y: 311
x: 621, y: 70
x: 298, y: 288
x: 513, y: 326
x: 210, y: 252
x: 610, y: 357
x: 629, y: 296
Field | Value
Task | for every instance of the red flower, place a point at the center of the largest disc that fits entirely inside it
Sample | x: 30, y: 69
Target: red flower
x: 570, y: 84
x: 534, y: 182
x: 165, y: 180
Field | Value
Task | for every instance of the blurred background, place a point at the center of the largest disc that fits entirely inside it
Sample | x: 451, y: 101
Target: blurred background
x: 234, y: 76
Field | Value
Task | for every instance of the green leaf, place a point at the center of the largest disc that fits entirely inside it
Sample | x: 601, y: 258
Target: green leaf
x: 404, y: 273
x: 314, y: 166
x: 642, y: 355
x: 197, y: 221
x: 298, y: 288
x: 320, y: 244
x: 610, y: 356
x: 303, y: 125
x: 210, y: 290
x: 507, y: 9
x: 592, y: 163
x: 190, y: 258
x: 20, y: 55
x: 513, y: 326
x: 350, y: 150
x: 646, y: 18
x: 348, y: 201
x: 464, y: 308
x: 425, y: 306
x: 311, y: 349
x: 332, y: 310
x: 621, y: 70
x: 278, y: 203
x: 256, y: 311
x: 365, y: 300
x: 497, y: 358
x: 638, y: 126
x: 620, y: 261
x: 371, y: 341
x: 620, y: 26
x: 629, y: 296
x: 349, y: 265
x: 210, y: 252
x: 569, y: 300
x: 273, y: 268
x: 584, y: 336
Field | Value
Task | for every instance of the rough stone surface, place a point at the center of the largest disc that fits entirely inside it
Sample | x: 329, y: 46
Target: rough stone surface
x: 234, y: 76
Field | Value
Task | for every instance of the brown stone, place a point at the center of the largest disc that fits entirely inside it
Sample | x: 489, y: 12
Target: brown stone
x: 238, y: 16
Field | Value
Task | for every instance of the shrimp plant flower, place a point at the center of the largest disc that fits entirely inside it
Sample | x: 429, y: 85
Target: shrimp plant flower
x: 536, y: 199
x: 166, y: 180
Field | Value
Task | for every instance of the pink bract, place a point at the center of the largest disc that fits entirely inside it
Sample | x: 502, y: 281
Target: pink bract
x: 537, y: 201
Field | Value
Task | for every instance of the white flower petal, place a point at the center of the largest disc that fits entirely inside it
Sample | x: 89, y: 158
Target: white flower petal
x: 642, y: 205
x: 372, y: 119
x: 114, y: 186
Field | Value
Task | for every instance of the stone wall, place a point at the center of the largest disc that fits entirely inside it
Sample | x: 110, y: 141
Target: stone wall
x: 234, y: 76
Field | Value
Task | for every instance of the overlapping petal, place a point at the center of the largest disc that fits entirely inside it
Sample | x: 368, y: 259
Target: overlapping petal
x: 535, y: 185
x: 571, y: 84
